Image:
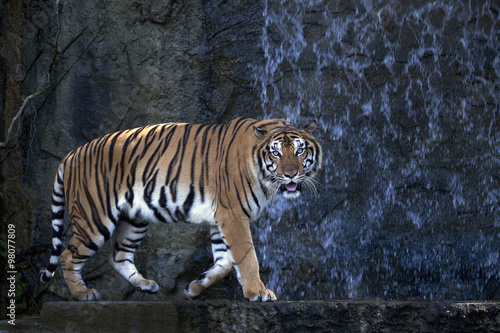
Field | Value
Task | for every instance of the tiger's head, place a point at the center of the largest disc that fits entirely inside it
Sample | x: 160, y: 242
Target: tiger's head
x: 288, y: 158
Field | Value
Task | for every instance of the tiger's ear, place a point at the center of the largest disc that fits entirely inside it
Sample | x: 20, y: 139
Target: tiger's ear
x: 311, y: 127
x: 259, y: 133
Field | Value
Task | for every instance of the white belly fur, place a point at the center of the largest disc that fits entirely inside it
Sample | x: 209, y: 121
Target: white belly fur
x: 201, y: 212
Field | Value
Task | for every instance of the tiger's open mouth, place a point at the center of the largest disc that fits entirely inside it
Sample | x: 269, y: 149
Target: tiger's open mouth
x: 291, y: 190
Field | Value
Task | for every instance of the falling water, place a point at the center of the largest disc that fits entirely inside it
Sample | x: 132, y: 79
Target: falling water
x: 407, y: 97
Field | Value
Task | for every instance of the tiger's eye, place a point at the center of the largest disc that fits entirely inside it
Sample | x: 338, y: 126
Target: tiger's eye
x: 275, y: 153
x: 300, y: 151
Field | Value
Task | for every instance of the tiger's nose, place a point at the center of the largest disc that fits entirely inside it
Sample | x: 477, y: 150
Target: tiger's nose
x: 291, y: 174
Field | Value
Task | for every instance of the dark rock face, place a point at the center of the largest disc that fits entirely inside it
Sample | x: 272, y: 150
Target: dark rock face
x: 406, y: 95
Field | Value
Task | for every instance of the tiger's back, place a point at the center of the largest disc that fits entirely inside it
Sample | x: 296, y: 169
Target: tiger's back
x: 162, y: 173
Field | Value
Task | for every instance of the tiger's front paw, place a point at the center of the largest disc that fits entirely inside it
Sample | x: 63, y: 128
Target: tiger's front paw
x: 263, y: 295
x: 193, y: 289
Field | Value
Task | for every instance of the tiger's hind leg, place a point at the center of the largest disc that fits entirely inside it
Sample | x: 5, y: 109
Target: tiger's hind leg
x: 82, y: 246
x: 72, y: 263
x: 222, y: 266
x: 128, y: 238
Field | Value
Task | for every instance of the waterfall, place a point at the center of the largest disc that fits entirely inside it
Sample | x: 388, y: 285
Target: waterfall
x: 407, y: 98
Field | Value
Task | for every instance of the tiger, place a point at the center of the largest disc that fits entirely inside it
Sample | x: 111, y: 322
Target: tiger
x: 221, y: 174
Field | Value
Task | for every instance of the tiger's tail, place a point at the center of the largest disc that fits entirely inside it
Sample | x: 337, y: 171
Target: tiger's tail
x: 58, y: 203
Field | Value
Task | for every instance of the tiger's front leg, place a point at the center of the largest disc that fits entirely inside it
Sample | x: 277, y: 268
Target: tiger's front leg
x: 239, y: 242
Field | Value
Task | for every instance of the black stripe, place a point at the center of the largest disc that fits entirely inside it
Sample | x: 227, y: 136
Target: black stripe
x: 111, y: 147
x: 58, y: 215
x: 200, y: 128
x: 57, y: 233
x: 173, y: 183
x: 163, y: 201
x: 179, y: 215
x: 123, y: 260
x: 221, y: 127
x: 84, y: 152
x: 150, y: 164
x: 251, y: 125
x: 118, y: 248
x: 129, y: 196
x: 193, y: 162
x: 134, y: 240
x: 239, y: 122
x: 237, y: 125
x: 168, y: 138
x: 116, y: 185
x: 56, y: 250
x: 77, y: 255
x: 243, y: 189
x: 182, y: 147
x: 71, y: 171
x: 51, y: 268
x: 96, y: 219
x: 253, y: 193
x: 189, y: 201
x: 137, y: 225
x: 60, y: 181
x: 126, y: 143
x: 136, y: 146
x: 173, y: 189
x: 149, y: 139
x: 109, y: 210
x: 204, y: 176
x: 158, y: 215
x: 148, y: 194
x: 57, y: 203
x: 162, y: 128
x: 240, y: 202
x: 57, y: 194
x: 84, y: 216
x: 99, y: 173
x: 130, y: 246
x: 149, y: 188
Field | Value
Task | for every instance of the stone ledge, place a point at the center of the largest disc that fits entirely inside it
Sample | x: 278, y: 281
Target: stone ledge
x: 309, y: 316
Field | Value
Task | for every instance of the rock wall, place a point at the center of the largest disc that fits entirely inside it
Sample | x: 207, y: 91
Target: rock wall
x: 406, y: 95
